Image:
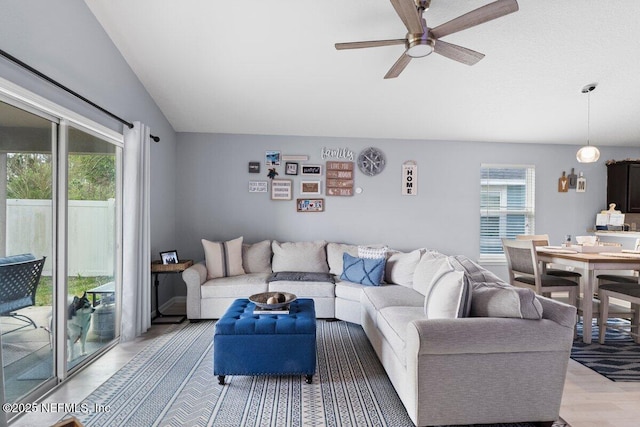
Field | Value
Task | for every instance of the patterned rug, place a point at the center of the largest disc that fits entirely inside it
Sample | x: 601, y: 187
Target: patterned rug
x: 171, y: 383
x: 618, y: 359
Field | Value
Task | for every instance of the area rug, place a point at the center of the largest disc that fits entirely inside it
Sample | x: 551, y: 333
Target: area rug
x: 618, y: 359
x: 171, y: 383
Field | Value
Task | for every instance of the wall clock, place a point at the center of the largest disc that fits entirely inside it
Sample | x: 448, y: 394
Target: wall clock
x: 371, y: 161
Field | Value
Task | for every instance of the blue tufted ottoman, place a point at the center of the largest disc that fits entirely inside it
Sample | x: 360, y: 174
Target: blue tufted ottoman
x: 266, y: 344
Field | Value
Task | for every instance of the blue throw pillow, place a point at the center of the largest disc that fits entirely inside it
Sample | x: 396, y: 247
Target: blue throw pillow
x: 365, y: 271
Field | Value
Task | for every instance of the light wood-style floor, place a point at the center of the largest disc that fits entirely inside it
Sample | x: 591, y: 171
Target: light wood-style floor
x: 589, y: 400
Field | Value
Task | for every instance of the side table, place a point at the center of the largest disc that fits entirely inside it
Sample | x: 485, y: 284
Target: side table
x: 157, y: 268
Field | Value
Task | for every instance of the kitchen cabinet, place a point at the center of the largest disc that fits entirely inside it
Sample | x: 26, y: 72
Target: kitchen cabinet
x: 623, y: 186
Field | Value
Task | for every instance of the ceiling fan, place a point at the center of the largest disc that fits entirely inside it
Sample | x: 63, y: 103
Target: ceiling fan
x: 422, y: 40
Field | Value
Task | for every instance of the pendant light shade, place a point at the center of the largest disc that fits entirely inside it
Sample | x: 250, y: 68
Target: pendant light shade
x: 588, y: 153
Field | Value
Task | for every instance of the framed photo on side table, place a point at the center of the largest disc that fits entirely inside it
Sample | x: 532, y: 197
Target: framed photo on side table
x: 169, y: 257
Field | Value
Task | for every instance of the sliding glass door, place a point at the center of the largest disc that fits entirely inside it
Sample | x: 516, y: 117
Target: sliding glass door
x: 91, y: 244
x: 60, y: 238
x: 27, y: 164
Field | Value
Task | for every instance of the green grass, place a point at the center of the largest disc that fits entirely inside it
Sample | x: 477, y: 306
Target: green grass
x: 76, y: 286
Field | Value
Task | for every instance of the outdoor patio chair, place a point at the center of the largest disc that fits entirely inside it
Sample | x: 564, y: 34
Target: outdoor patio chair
x: 19, y: 278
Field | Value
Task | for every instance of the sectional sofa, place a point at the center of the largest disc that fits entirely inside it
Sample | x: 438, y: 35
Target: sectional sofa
x: 459, y: 345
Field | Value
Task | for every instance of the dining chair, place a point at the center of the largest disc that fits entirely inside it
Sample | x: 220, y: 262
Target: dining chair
x: 629, y: 292
x: 619, y: 278
x: 543, y: 240
x: 525, y: 271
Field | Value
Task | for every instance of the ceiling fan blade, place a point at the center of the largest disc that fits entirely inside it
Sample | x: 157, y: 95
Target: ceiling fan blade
x: 457, y: 53
x: 475, y: 17
x: 408, y: 12
x: 373, y: 43
x: 397, y: 68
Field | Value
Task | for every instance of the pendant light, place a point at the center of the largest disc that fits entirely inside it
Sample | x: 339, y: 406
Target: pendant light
x: 588, y: 153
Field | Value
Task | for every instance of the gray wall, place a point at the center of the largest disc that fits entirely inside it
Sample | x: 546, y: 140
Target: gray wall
x: 214, y: 201
x: 62, y: 39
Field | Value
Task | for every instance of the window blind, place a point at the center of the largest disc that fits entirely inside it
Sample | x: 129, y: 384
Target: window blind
x: 507, y: 205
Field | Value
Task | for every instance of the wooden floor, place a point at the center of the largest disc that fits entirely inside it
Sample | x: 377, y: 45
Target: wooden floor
x: 589, y: 400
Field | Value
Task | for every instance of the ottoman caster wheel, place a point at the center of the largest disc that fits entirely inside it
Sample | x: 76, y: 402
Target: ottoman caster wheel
x: 308, y: 379
x: 221, y: 379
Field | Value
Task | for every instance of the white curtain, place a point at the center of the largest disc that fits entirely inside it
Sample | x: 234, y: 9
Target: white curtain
x: 136, y: 277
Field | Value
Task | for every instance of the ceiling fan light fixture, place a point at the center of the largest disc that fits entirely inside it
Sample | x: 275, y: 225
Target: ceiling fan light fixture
x: 419, y: 48
x: 588, y: 153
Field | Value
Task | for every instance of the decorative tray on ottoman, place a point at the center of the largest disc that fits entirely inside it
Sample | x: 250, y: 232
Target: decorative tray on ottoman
x: 267, y: 301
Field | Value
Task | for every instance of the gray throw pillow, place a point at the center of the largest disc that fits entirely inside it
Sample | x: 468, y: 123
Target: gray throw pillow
x: 299, y: 256
x: 503, y: 300
x: 256, y: 258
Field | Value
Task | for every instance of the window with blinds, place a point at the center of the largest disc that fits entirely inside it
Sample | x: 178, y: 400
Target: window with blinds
x: 507, y: 206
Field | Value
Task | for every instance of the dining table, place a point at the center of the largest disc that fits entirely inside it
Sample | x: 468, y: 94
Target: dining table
x: 588, y: 263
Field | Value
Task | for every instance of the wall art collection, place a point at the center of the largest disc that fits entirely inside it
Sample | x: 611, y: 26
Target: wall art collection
x: 339, y: 168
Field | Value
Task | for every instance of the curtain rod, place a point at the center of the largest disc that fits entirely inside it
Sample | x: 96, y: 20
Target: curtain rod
x: 72, y: 92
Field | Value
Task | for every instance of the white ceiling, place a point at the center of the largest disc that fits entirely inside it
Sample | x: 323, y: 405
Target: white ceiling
x: 270, y: 67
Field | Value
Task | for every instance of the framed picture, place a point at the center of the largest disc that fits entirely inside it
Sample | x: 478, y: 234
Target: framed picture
x: 313, y: 170
x: 254, y: 167
x: 291, y: 168
x: 281, y: 189
x: 310, y: 205
x: 310, y: 187
x: 272, y: 158
x: 169, y: 257
x: 258, y: 186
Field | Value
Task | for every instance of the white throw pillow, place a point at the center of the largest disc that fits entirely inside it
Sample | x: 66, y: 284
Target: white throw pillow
x: 223, y: 259
x: 309, y: 257
x: 372, y: 252
x: 448, y: 296
x: 401, y: 267
x: 256, y: 258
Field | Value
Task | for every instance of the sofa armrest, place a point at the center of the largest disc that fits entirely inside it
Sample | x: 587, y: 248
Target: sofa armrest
x: 478, y: 335
x: 194, y: 277
x: 485, y: 370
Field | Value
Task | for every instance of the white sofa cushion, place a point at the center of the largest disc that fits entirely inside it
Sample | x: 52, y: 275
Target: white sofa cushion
x: 348, y: 290
x: 504, y: 300
x: 308, y: 289
x: 223, y: 259
x: 334, y: 256
x: 401, y: 267
x: 234, y: 287
x: 448, y: 295
x: 299, y: 256
x: 379, y: 297
x: 392, y: 323
x: 426, y: 269
x: 256, y: 258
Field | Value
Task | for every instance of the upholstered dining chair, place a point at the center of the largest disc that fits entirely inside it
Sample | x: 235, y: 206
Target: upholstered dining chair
x: 543, y: 240
x: 629, y: 292
x: 525, y: 271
